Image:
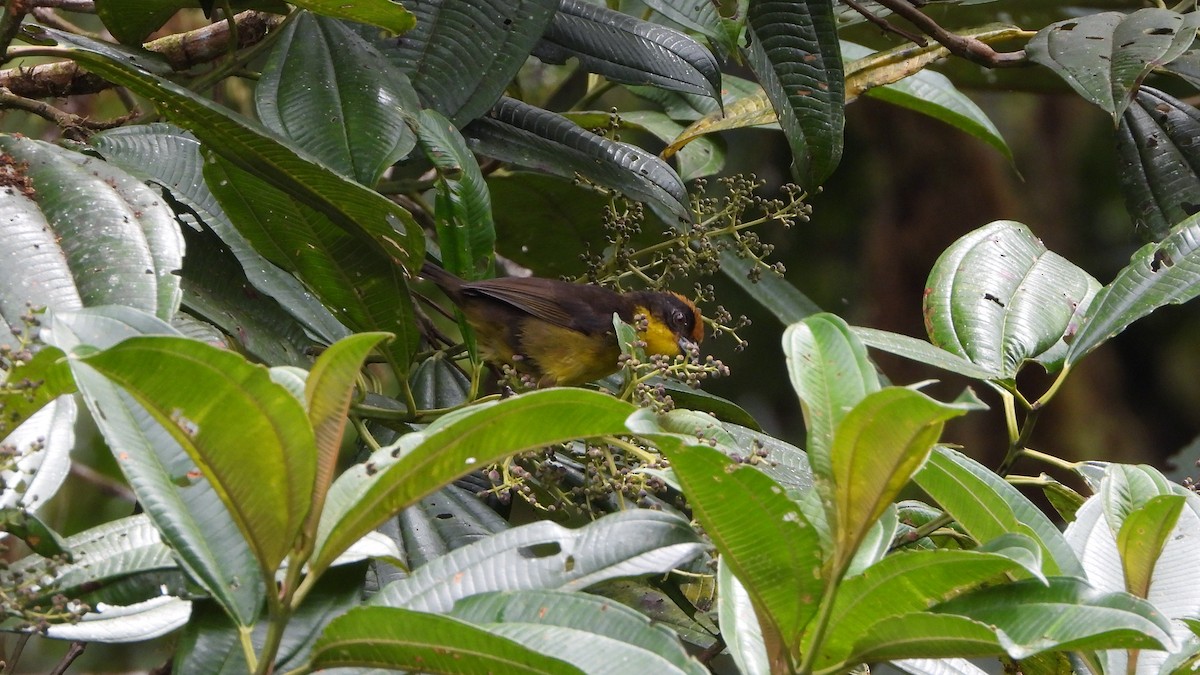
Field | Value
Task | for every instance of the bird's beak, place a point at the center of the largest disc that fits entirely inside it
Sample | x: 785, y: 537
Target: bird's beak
x: 688, y: 346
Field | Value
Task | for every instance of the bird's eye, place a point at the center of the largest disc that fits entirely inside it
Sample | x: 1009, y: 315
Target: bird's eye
x: 677, y: 318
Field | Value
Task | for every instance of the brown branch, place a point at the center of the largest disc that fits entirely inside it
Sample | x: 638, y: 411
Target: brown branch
x: 85, y: 6
x: 74, y: 127
x: 72, y: 653
x: 966, y: 47
x: 885, y: 25
x: 181, y: 51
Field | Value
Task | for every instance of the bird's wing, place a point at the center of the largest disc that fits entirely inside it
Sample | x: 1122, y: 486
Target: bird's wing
x: 531, y: 296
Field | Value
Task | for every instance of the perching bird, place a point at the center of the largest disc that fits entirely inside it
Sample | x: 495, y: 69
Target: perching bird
x: 562, y: 333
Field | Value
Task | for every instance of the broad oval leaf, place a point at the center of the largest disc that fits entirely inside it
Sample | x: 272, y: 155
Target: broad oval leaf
x: 794, y: 52
x: 1104, y: 56
x: 521, y: 134
x: 401, y: 639
x: 216, y: 404
x: 335, y: 96
x: 456, y: 444
x: 998, y: 298
x: 545, y: 555
x: 1158, y: 274
x: 1159, y: 161
x: 629, y: 50
x: 81, y: 232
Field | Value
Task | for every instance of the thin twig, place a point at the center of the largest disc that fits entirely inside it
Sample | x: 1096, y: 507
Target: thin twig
x: 966, y: 47
x: 74, y: 127
x: 884, y: 24
x: 69, y: 658
x: 47, y: 17
x: 86, y: 6
x: 10, y: 665
x: 106, y: 485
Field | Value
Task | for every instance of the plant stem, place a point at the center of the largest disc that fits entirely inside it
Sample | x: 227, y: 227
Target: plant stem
x: 245, y: 637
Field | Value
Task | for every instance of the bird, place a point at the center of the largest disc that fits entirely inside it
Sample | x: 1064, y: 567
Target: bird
x: 561, y: 333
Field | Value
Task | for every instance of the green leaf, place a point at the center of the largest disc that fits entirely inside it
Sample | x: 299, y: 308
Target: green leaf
x: 761, y: 534
x: 831, y: 374
x: 38, y: 536
x: 210, y: 645
x: 170, y: 156
x: 877, y: 447
x: 360, y: 211
x: 521, y: 134
x: 184, y: 506
x: 215, y: 404
x: 47, y: 369
x: 102, y: 555
x: 1065, y: 500
x: 545, y: 555
x: 998, y: 298
x: 1068, y: 614
x: 462, y: 55
x: 1105, y: 56
x: 362, y: 288
x: 691, y: 107
x: 383, y: 13
x: 988, y: 507
x: 794, y: 52
x: 332, y: 94
x: 628, y: 50
x: 328, y: 391
x: 705, y: 18
x: 1142, y: 537
x: 400, y: 639
x: 456, y: 444
x: 900, y: 584
x: 932, y: 93
x: 1157, y: 275
x: 1158, y: 161
x: 132, y: 21
x: 926, y: 636
x: 463, y: 214
x: 597, y: 629
x: 82, y: 232
x: 922, y: 352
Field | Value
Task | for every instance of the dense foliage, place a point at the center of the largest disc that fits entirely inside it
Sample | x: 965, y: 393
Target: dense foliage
x: 209, y: 283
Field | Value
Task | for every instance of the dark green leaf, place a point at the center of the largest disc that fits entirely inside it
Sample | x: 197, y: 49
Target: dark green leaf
x: 1159, y: 161
x: 170, y: 156
x: 461, y: 55
x: 521, y: 134
x: 794, y: 52
x: 364, y: 290
x: 628, y: 50
x: 922, y: 352
x: 333, y: 95
x: 463, y: 213
x: 772, y: 291
x: 360, y: 211
x: 383, y: 13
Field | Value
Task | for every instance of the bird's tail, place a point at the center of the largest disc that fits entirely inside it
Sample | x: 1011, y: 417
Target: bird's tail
x: 445, y: 280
